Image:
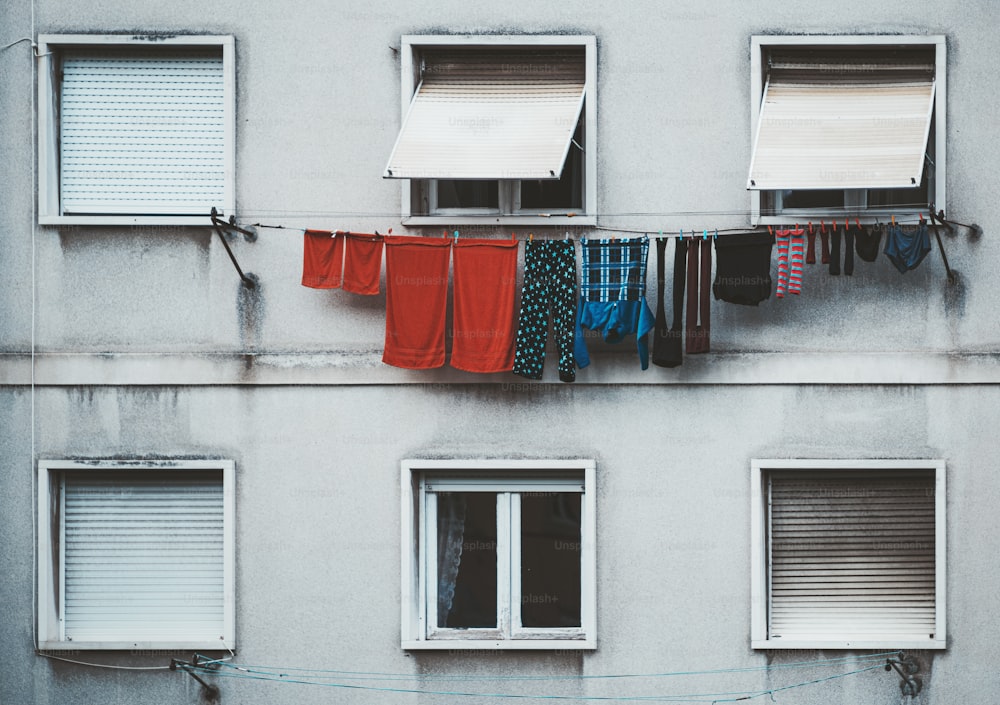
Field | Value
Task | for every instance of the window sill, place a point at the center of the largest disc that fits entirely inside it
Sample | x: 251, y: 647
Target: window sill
x: 874, y: 643
x: 508, y: 220
x: 865, y: 217
x: 215, y: 645
x: 501, y: 645
x: 181, y: 220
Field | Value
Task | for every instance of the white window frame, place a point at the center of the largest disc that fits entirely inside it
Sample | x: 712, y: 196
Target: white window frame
x: 411, y: 47
x: 759, y: 552
x: 761, y: 44
x: 503, y: 476
x: 50, y: 47
x: 50, y: 558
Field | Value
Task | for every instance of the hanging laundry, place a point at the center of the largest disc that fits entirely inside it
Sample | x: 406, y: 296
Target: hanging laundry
x: 906, y: 250
x: 743, y: 268
x: 613, y: 295
x: 416, y: 297
x: 322, y: 259
x: 362, y: 263
x: 791, y: 244
x: 484, y: 293
x: 699, y: 278
x: 867, y: 241
x: 549, y: 283
x: 668, y: 348
x: 810, y: 245
x: 824, y: 236
x: 848, y: 237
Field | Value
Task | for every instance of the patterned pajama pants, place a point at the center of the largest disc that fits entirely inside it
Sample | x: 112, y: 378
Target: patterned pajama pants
x: 549, y: 284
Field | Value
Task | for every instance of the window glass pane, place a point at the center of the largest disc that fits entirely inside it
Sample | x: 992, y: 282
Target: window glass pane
x: 550, y: 559
x: 467, y: 559
x: 833, y: 198
x: 454, y: 193
x: 566, y: 192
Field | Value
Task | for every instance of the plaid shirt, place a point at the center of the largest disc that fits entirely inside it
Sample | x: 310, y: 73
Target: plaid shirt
x: 614, y: 270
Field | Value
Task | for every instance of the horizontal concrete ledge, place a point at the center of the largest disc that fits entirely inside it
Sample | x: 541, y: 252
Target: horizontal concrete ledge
x: 363, y: 368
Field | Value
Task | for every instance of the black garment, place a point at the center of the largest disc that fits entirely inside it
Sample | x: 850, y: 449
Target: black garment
x: 867, y: 242
x: 906, y: 250
x: 743, y: 268
x: 668, y: 343
x: 848, y: 237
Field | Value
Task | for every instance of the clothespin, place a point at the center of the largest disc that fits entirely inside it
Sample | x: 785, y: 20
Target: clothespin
x: 456, y: 236
x: 810, y: 227
x: 567, y: 235
x: 680, y: 236
x: 822, y: 226
x: 390, y: 232
x: 922, y: 220
x: 770, y: 230
x: 893, y: 219
x: 531, y: 236
x: 796, y: 227
x: 857, y: 223
x: 716, y: 236
x: 704, y: 234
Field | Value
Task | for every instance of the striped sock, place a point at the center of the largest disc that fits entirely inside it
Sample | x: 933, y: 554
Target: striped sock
x: 797, y: 247
x: 781, y: 238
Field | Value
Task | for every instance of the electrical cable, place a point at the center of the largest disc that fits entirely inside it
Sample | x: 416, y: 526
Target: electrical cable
x: 106, y: 665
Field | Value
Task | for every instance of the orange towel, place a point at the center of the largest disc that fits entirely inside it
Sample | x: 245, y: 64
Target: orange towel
x: 322, y: 259
x: 416, y: 297
x: 485, y: 324
x: 362, y: 263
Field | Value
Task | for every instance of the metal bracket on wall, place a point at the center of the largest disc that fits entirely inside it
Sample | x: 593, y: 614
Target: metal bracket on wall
x: 209, y: 691
x: 907, y: 667
x: 218, y: 223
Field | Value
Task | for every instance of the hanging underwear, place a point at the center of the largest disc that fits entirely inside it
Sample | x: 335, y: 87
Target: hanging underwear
x: 613, y: 295
x: 906, y: 250
x: 322, y: 259
x: 867, y: 241
x: 743, y: 268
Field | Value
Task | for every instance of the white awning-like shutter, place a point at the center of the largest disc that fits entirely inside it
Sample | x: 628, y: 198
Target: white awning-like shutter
x: 143, y: 132
x: 491, y: 115
x: 843, y: 123
x: 143, y: 558
x: 852, y: 555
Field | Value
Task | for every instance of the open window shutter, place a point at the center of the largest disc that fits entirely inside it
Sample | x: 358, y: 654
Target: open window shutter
x: 142, y: 132
x: 143, y: 558
x: 491, y: 115
x: 852, y: 555
x: 837, y: 121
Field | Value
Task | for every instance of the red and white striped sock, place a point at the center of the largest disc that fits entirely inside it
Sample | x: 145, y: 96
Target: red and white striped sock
x: 781, y: 239
x: 798, y: 254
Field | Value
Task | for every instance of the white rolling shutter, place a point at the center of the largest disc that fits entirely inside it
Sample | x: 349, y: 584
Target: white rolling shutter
x: 843, y: 122
x: 143, y: 558
x: 852, y: 555
x: 143, y: 132
x: 491, y: 115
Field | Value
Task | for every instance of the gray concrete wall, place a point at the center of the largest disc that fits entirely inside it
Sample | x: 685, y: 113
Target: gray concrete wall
x: 146, y: 344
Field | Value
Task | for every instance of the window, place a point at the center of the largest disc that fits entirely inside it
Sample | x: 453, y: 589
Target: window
x: 848, y: 554
x: 135, y: 130
x: 497, y: 129
x: 135, y: 555
x: 846, y: 127
x: 498, y: 554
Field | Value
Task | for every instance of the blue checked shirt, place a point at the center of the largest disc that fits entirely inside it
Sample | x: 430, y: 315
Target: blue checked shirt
x: 614, y: 270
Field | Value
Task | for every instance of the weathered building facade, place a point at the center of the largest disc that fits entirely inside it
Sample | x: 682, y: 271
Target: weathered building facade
x: 814, y: 489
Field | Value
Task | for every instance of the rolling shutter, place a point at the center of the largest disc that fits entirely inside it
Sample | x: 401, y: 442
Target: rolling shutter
x: 143, y: 132
x: 843, y: 122
x: 491, y: 115
x: 143, y: 558
x: 852, y: 555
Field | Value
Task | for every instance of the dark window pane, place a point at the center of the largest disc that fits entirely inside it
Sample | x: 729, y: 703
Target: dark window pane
x: 832, y: 198
x: 468, y: 194
x: 565, y: 192
x: 550, y: 559
x: 467, y: 559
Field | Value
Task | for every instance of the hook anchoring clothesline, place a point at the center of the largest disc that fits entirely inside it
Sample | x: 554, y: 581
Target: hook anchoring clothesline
x: 249, y: 280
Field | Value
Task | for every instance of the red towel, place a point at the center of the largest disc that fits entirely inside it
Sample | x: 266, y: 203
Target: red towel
x: 362, y: 263
x: 484, y: 315
x: 322, y: 259
x: 416, y: 296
